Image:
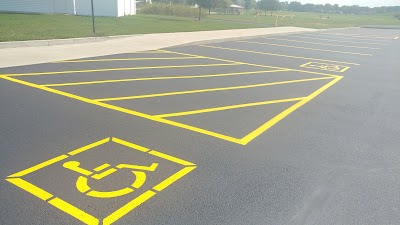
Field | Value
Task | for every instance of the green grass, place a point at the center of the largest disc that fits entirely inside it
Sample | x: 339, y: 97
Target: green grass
x: 313, y: 20
x: 20, y: 27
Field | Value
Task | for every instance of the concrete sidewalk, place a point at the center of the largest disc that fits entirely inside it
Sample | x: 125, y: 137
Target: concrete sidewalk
x: 42, y: 54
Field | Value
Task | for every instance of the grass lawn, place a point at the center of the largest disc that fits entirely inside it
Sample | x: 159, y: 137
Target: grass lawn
x: 20, y: 27
x: 313, y: 20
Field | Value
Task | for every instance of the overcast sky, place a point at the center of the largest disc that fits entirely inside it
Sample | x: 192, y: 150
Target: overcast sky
x: 371, y: 3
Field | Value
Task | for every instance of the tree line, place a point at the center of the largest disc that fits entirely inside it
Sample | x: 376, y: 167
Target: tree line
x: 335, y: 8
x: 275, y: 5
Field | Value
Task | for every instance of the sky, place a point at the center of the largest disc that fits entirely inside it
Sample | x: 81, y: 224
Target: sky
x: 370, y: 3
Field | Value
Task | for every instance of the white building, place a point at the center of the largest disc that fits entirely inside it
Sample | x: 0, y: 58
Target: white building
x: 114, y: 8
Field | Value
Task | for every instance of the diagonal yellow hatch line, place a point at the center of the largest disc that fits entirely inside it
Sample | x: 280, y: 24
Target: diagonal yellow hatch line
x: 209, y: 90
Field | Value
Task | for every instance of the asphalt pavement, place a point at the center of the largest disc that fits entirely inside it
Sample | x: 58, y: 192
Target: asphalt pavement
x: 283, y: 129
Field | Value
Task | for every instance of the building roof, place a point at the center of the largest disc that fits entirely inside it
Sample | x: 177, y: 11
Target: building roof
x: 236, y: 6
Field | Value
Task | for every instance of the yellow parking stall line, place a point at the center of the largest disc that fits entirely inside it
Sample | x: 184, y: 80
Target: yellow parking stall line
x: 30, y: 188
x: 73, y: 211
x: 87, y: 147
x: 171, y: 158
x: 245, y: 140
x: 123, y: 59
x: 124, y: 110
x: 130, y: 145
x: 273, y: 54
x: 224, y: 60
x: 318, y: 43
x: 359, y: 35
x: 347, y: 38
x: 207, y: 90
x: 164, y: 78
x: 341, y: 41
x: 306, y: 48
x: 178, y: 175
x: 227, y: 107
x: 39, y: 166
x: 128, y: 207
x: 119, y: 69
x: 257, y: 65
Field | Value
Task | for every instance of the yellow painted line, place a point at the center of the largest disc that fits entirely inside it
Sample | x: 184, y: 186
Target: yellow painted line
x: 73, y: 211
x: 102, y: 167
x: 118, y: 69
x: 285, y: 113
x: 298, y: 47
x: 341, y: 41
x: 109, y: 194
x: 273, y: 54
x: 320, y: 66
x: 39, y: 166
x: 34, y: 190
x: 87, y: 147
x: 358, y: 35
x: 318, y: 43
x: 128, y: 207
x: 227, y: 107
x: 127, y: 111
x: 130, y: 145
x: 355, y: 34
x: 208, y: 90
x: 164, y: 78
x: 104, y: 174
x: 225, y: 60
x: 167, y: 182
x: 257, y: 65
x: 123, y: 59
x: 171, y: 158
x: 347, y: 38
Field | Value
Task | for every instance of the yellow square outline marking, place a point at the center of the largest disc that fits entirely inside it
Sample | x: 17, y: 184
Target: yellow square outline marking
x: 314, y: 65
x: 119, y: 213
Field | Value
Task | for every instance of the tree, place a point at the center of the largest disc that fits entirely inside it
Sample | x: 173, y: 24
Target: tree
x: 204, y: 4
x: 267, y: 5
x: 295, y: 6
x: 248, y: 4
x: 223, y: 3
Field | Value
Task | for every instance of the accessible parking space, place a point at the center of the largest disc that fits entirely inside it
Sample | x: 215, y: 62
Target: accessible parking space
x: 252, y: 131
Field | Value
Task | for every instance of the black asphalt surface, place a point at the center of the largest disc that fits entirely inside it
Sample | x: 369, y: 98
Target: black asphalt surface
x: 333, y: 160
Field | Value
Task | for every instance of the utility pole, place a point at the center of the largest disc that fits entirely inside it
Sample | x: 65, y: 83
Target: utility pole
x: 94, y: 29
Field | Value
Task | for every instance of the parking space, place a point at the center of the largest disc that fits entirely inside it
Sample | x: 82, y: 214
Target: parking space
x: 226, y: 94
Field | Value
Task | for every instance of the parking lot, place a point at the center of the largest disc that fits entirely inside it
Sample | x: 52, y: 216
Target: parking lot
x: 298, y: 128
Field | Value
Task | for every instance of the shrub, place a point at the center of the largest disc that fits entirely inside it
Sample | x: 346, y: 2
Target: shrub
x: 397, y: 16
x: 171, y: 10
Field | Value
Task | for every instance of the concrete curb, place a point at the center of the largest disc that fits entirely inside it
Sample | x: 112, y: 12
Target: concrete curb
x: 68, y: 41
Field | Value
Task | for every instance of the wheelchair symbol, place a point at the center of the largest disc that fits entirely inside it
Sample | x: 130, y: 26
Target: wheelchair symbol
x: 82, y: 181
